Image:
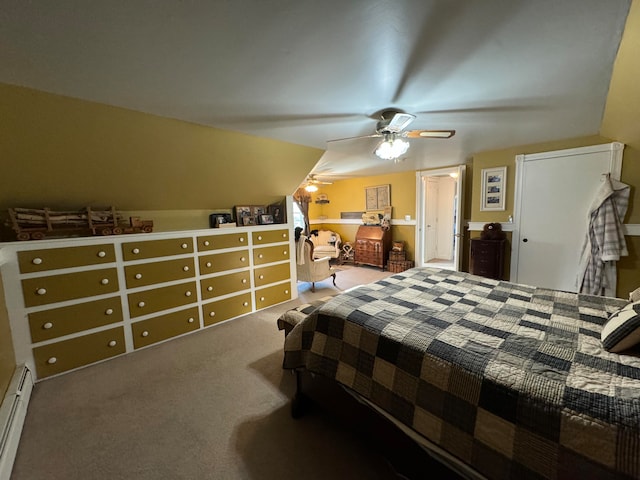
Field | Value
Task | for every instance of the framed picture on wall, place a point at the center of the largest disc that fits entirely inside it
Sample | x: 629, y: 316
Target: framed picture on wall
x: 494, y: 183
x: 378, y: 197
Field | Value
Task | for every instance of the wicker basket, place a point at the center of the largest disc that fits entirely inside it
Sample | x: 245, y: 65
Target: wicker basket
x: 397, y: 266
x: 397, y: 256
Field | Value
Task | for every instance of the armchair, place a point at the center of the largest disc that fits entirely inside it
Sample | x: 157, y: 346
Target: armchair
x: 326, y: 243
x: 310, y: 269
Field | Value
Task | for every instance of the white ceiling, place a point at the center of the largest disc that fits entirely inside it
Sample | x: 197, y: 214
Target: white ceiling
x: 500, y: 72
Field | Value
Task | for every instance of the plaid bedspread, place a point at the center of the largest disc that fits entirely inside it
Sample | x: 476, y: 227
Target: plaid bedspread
x: 510, y: 379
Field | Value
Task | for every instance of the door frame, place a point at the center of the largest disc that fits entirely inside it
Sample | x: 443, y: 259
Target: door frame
x: 615, y: 169
x: 420, y: 199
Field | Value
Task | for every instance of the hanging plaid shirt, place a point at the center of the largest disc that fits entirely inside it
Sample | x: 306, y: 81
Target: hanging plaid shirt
x: 605, y: 242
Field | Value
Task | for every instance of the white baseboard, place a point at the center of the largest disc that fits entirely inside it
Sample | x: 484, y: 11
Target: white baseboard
x: 12, y: 414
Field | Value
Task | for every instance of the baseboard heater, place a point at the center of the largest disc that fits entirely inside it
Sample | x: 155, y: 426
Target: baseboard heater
x: 12, y: 414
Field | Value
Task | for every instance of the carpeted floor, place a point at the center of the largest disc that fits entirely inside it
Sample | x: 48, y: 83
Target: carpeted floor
x: 210, y: 405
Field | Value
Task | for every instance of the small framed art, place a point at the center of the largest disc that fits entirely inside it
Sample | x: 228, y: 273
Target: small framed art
x: 494, y: 183
x: 266, y: 219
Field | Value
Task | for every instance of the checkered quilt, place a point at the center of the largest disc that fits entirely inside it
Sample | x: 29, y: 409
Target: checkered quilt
x: 510, y: 379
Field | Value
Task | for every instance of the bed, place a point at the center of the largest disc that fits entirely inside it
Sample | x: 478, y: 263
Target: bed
x: 498, y: 379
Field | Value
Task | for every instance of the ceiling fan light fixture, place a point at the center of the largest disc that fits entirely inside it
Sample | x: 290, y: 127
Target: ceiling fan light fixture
x: 311, y: 188
x: 391, y: 148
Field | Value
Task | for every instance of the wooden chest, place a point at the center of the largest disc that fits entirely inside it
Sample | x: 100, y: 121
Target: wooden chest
x: 372, y: 246
x: 487, y: 258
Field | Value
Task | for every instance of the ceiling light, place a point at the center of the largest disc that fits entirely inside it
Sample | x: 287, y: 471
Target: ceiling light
x: 392, y: 147
x: 453, y: 174
x: 311, y: 188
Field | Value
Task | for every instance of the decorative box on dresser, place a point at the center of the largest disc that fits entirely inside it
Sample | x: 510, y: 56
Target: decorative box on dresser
x: 74, y: 302
x: 487, y: 258
x: 372, y: 246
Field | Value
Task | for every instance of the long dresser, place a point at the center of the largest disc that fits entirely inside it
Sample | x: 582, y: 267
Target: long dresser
x: 74, y: 302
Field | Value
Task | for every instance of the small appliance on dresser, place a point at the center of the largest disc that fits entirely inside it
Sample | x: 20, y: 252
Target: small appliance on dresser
x: 372, y: 246
x: 487, y: 258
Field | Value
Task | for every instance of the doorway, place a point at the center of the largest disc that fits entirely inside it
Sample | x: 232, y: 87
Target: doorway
x: 438, y: 209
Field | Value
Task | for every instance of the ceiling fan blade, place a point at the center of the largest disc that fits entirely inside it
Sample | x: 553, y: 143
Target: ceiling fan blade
x: 375, y: 135
x: 399, y: 122
x: 429, y: 134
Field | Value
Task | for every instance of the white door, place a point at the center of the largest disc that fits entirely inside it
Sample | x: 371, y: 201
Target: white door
x: 458, y: 173
x: 431, y: 219
x: 554, y: 191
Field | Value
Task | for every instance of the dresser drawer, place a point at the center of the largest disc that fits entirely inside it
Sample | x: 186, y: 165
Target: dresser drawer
x: 158, y: 299
x: 216, y: 242
x: 220, y: 262
x: 220, y: 310
x: 56, y: 258
x: 158, y: 272
x: 272, y: 295
x: 271, y: 274
x: 57, y: 322
x: 58, y: 288
x: 160, y: 328
x: 76, y: 352
x: 270, y: 236
x: 156, y: 248
x: 217, y: 286
x: 276, y: 253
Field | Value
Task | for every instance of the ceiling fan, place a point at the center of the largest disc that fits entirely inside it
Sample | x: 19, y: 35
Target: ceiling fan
x: 391, y: 128
x: 312, y: 183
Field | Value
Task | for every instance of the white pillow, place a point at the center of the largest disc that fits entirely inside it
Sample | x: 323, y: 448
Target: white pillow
x: 622, y: 330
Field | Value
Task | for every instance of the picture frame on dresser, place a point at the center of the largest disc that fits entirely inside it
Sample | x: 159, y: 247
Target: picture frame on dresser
x: 241, y: 211
x: 493, y: 191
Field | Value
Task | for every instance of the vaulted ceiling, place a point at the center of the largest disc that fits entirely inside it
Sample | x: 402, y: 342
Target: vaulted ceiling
x: 499, y: 72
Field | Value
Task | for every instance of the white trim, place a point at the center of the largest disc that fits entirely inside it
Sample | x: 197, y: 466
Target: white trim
x: 632, y: 229
x: 12, y: 414
x: 356, y: 221
x: 479, y: 226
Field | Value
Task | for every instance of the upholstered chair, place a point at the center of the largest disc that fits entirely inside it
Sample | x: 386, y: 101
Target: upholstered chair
x: 312, y: 269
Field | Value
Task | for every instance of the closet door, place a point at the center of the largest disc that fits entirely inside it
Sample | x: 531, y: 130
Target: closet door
x: 554, y: 191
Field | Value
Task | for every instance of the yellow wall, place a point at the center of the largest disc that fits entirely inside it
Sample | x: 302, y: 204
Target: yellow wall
x: 622, y: 122
x: 349, y: 196
x: 67, y: 153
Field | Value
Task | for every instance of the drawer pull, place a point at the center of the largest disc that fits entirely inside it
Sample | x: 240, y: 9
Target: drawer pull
x: 41, y: 291
x: 284, y: 235
x: 145, y: 334
x: 36, y: 261
x: 184, y: 245
x: 209, y: 288
x: 208, y: 264
x: 244, y: 280
x: 259, y: 237
x: 52, y: 360
x: 245, y: 304
x: 260, y: 256
x: 241, y: 239
x: 212, y: 314
x: 242, y: 259
x: 191, y: 320
x: 108, y: 311
x: 104, y: 281
x: 262, y: 299
x: 261, y: 277
x: 206, y: 243
x: 286, y: 292
x: 112, y: 343
x: 185, y: 268
x: 138, y: 276
x: 284, y: 252
x: 135, y: 251
x: 47, y: 325
x: 102, y: 254
x: 141, y: 304
x: 187, y: 293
